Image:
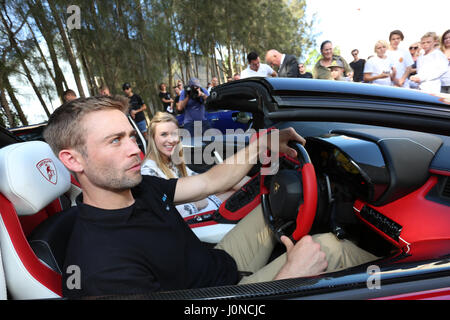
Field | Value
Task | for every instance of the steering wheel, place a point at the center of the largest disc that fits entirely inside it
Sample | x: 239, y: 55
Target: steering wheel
x: 290, y: 205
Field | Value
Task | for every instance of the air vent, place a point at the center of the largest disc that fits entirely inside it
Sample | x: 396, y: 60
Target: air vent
x: 446, y: 189
x: 381, y: 222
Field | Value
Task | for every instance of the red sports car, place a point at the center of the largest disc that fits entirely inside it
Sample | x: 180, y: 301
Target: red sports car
x: 375, y: 169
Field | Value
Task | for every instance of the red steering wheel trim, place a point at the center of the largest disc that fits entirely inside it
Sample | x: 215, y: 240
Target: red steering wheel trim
x: 307, y: 210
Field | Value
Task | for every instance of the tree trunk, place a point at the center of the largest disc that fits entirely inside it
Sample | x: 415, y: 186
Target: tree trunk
x: 15, y: 102
x: 92, y: 87
x: 41, y: 22
x: 15, y: 46
x: 6, y: 108
x: 58, y: 83
x: 68, y: 48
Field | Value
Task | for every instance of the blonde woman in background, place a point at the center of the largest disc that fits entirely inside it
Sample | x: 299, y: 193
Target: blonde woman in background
x: 164, y: 142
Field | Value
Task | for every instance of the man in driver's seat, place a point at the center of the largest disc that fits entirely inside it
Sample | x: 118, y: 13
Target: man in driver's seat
x: 128, y: 237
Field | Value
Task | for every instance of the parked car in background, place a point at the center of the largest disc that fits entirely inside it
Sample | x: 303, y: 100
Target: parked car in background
x: 225, y: 119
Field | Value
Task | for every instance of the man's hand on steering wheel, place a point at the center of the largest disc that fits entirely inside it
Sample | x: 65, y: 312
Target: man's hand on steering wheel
x: 286, y: 135
x: 303, y: 259
x: 291, y: 200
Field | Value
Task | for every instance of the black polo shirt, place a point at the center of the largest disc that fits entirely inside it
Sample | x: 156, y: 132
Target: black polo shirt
x: 143, y: 248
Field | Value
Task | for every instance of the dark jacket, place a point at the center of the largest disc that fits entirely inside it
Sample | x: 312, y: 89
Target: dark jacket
x: 289, y: 68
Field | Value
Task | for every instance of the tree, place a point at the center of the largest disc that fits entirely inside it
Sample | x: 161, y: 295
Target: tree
x: 67, y: 47
x: 146, y: 42
x: 6, y: 22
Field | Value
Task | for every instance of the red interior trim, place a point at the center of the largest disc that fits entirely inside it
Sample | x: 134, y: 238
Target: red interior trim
x: 242, y: 212
x: 420, y: 218
x: 437, y: 294
x: 47, y: 277
x: 439, y: 172
x: 200, y: 224
x: 74, y: 181
x: 307, y: 210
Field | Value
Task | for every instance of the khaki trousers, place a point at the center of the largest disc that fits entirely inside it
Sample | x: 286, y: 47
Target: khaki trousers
x: 251, y: 242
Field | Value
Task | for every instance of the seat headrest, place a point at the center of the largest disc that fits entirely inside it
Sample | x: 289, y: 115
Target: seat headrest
x: 31, y: 176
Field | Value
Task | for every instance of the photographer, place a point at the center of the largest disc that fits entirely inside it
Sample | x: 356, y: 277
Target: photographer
x: 192, y: 101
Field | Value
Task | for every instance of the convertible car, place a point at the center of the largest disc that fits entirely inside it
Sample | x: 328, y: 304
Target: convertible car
x: 375, y: 169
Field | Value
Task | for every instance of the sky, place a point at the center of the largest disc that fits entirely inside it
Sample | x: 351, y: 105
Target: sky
x: 349, y: 24
x: 358, y: 24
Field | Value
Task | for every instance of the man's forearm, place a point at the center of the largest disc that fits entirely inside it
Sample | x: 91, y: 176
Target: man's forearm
x: 224, y: 176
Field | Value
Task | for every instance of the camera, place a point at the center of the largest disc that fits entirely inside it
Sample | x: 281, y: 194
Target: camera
x: 192, y: 92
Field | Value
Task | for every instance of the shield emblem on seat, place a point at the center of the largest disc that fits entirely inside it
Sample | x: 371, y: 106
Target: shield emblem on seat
x: 48, y: 170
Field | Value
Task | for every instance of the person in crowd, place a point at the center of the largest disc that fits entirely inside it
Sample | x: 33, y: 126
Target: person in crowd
x: 431, y: 65
x: 380, y: 68
x: 176, y: 100
x: 214, y: 83
x: 358, y: 66
x: 128, y: 238
x: 445, y: 48
x: 402, y: 59
x: 303, y: 72
x: 236, y: 76
x: 163, y: 142
x: 137, y: 107
x: 414, y: 50
x: 287, y: 64
x: 321, y: 70
x: 337, y: 71
x: 104, y: 91
x: 166, y: 100
x: 69, y: 95
x: 257, y: 69
x: 192, y: 102
x: 229, y: 79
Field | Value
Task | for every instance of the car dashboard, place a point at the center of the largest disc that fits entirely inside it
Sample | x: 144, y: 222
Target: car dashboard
x: 386, y: 175
x: 358, y: 164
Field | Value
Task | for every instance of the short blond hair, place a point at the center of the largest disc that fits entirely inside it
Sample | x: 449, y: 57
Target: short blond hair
x: 430, y: 35
x: 382, y: 42
x: 65, y: 130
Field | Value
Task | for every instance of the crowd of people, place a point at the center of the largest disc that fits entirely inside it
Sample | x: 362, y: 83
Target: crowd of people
x: 426, y: 67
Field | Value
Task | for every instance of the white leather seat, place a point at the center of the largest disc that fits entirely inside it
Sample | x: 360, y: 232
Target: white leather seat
x: 31, y: 179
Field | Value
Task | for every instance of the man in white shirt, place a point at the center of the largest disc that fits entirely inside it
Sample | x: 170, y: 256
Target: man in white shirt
x: 256, y: 68
x: 431, y: 65
x: 402, y: 59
